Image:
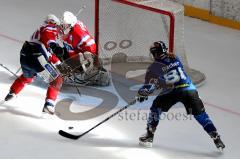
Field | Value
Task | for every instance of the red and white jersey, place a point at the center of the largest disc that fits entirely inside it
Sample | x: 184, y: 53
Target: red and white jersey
x: 45, y: 35
x: 79, y: 40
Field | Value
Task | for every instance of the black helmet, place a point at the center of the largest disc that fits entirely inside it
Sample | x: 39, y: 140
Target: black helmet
x: 158, y: 47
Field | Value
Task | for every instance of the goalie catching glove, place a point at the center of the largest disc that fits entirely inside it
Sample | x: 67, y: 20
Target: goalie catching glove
x: 145, y: 91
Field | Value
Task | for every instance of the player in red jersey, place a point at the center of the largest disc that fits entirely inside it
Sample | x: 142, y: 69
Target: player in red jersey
x: 78, y: 41
x: 38, y: 57
x: 77, y: 38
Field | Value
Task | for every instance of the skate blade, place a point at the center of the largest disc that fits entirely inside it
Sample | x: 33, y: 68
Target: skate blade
x: 220, y: 149
x: 1, y: 105
x: 145, y: 144
x: 2, y: 102
x: 47, y: 116
x: 46, y: 111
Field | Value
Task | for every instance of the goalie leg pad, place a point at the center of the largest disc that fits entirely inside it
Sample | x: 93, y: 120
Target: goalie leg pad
x: 50, y: 73
x: 86, y: 60
x: 103, y: 78
x: 98, y: 77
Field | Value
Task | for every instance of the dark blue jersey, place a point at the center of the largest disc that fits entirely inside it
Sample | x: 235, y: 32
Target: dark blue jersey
x: 169, y: 72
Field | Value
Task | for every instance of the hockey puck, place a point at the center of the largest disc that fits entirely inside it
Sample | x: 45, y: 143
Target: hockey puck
x: 70, y: 127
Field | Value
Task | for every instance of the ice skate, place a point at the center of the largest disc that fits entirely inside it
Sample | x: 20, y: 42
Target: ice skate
x: 48, y: 108
x: 147, y: 139
x: 217, y: 140
x: 9, y: 96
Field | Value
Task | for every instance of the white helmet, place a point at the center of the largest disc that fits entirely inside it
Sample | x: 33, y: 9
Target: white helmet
x: 51, y: 18
x: 69, y: 18
x: 68, y: 21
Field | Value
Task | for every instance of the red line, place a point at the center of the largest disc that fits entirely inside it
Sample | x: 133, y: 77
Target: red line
x: 10, y: 38
x: 223, y: 109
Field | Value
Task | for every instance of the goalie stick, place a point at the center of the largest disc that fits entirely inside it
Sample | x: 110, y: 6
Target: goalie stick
x: 75, y: 137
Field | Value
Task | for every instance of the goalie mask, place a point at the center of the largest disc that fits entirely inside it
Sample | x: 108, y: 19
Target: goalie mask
x: 158, y: 49
x: 68, y: 21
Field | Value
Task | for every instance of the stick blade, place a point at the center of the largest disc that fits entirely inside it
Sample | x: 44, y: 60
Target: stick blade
x: 67, y: 135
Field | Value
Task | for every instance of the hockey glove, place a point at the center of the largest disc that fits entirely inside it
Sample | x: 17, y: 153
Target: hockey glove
x: 145, y: 91
x: 141, y: 98
x: 57, y: 50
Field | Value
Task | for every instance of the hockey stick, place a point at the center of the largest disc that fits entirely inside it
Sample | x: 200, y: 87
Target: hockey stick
x: 75, y: 137
x: 8, y: 70
x: 75, y: 85
x: 80, y: 10
x: 85, y: 81
x: 19, y: 69
x: 71, y: 73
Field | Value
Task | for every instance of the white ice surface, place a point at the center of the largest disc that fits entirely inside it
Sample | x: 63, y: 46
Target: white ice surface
x: 24, y: 134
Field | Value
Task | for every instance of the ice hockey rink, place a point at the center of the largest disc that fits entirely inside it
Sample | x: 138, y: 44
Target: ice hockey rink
x: 26, y: 134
